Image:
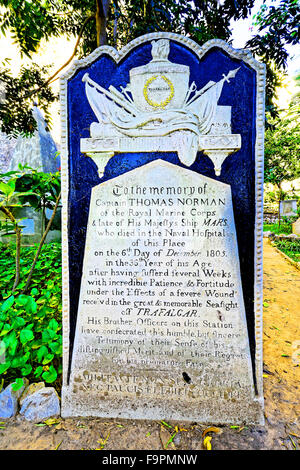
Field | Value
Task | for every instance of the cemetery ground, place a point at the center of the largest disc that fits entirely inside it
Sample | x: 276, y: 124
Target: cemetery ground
x: 281, y: 392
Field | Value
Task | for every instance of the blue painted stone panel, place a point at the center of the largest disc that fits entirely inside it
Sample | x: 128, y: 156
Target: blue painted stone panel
x: 237, y: 170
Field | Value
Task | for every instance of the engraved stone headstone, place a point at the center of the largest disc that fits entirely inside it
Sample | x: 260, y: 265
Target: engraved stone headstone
x: 162, y: 171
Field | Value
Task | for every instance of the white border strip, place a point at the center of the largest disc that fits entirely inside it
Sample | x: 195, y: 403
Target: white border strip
x: 241, y: 54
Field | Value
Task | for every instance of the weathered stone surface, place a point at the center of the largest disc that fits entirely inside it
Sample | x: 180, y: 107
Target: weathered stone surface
x: 41, y: 405
x: 161, y: 327
x: 8, y: 404
x: 32, y: 388
x: 9, y: 400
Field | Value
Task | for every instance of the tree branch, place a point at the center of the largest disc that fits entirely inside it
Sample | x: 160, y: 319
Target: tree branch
x: 41, y: 244
x: 101, y: 20
x: 34, y: 92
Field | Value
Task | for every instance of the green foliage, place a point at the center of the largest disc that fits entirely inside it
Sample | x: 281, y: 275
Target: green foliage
x: 273, y: 196
x: 201, y: 20
x: 282, y: 143
x: 30, y: 22
x: 278, y: 26
x: 28, y: 186
x: 30, y: 325
x: 16, y: 115
x: 46, y: 274
x: 45, y: 186
x: 9, y: 192
x: 16, y: 189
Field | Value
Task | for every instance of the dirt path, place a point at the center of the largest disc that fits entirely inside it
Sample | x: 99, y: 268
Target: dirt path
x: 281, y: 348
x: 281, y: 390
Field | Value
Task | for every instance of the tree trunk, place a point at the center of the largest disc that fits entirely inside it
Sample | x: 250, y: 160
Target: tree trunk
x: 102, y: 7
x: 41, y: 244
x: 43, y: 215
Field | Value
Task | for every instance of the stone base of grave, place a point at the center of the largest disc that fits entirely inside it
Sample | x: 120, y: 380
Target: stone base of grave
x: 132, y: 361
x: 206, y: 411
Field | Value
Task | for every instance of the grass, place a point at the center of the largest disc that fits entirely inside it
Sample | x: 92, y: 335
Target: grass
x: 289, y: 247
x: 285, y: 228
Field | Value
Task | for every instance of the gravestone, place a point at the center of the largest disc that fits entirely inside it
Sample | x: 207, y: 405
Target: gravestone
x: 288, y: 208
x: 296, y: 227
x: 162, y: 174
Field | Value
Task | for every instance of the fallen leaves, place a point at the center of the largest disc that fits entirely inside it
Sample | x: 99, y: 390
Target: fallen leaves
x: 168, y: 434
x: 58, y: 445
x: 49, y: 422
x: 293, y: 443
x: 238, y: 428
x: 52, y: 421
x: 273, y: 327
x: 207, y: 439
x: 207, y: 443
x: 267, y: 371
x: 211, y: 429
x: 166, y: 424
x: 292, y: 437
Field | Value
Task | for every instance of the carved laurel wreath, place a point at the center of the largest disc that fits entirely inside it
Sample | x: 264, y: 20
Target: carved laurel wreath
x: 164, y: 103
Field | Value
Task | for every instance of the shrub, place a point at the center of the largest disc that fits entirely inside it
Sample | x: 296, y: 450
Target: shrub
x: 30, y: 336
x: 30, y: 325
x: 290, y: 247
